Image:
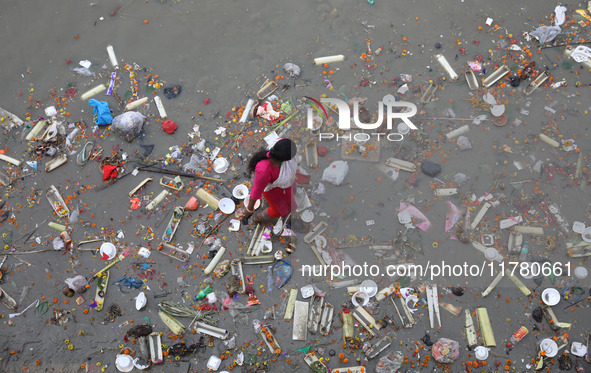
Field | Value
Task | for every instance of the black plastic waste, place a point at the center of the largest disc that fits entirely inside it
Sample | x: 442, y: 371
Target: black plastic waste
x: 173, y: 91
x: 430, y: 169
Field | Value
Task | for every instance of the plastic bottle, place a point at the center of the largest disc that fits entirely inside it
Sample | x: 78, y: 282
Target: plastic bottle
x: 518, y: 335
x: 524, y: 252
x: 203, y: 293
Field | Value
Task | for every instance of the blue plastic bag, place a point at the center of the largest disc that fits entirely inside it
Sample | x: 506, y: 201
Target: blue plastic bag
x: 102, y: 113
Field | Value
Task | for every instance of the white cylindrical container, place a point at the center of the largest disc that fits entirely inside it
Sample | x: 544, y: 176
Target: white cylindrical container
x: 246, y: 112
x: 112, y: 56
x: 136, y: 103
x: 491, y: 253
x: 160, y: 107
x: 215, y: 260
x: 95, y: 91
x: 157, y: 200
x: 457, y: 132
x: 447, y: 67
x: 553, y: 143
x: 329, y: 59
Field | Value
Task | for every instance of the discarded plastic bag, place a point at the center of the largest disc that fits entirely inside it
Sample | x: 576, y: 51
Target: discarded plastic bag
x: 128, y: 125
x: 545, y: 34
x: 390, y: 363
x: 77, y: 283
x: 425, y: 224
x: 453, y: 215
x: 445, y: 350
x: 102, y: 113
x: 581, y: 53
x: 196, y: 163
x: 58, y: 243
x: 282, y: 272
x: 335, y: 172
x: 463, y: 143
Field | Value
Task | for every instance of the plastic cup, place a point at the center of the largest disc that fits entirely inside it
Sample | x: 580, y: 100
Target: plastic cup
x: 124, y: 363
x: 108, y: 251
x: 581, y: 273
x: 491, y: 253
x: 403, y: 128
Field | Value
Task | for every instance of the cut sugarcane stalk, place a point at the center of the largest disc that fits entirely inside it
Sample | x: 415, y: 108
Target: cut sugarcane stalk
x: 300, y: 320
x: 368, y: 322
x: 317, y: 231
x: 326, y: 319
x: 289, y: 310
x: 256, y: 260
x: 7, y: 300
x: 355, y: 369
x: 518, y: 283
x: 112, y: 57
x: 471, y: 79
x: 485, y: 327
x: 212, y: 201
x: 457, y: 132
x: 553, y: 143
x: 529, y: 230
x: 160, y: 107
x: 236, y: 268
x: 101, y: 290
x: 213, y: 331
x: 447, y: 67
x: 385, y: 292
x: 255, y: 239
x: 9, y: 120
x: 267, y: 89
x: 311, y: 151
x: 378, y: 347
x: 173, y: 252
x: 59, y: 227
x: 515, y: 241
x: 34, y: 133
x: 175, y: 220
x: 496, y: 76
x: 328, y: 59
x: 8, y: 159
x: 56, y: 162
x: 480, y: 215
x: 493, y: 284
x: 140, y: 186
x: 136, y: 103
x: 173, y: 324
x: 541, y: 78
x: 470, y: 331
x: 428, y: 95
x: 454, y: 310
x: 93, y: 92
x: 157, y: 200
x: 315, y: 364
x: 446, y: 192
x: 318, y: 255
x: 5, y: 179
x: 57, y: 202
x: 270, y: 340
x: 175, y: 183
x: 405, y: 317
x: 215, y: 260
x: 156, y: 348
x: 348, y: 331
x: 315, y: 313
x: 400, y: 164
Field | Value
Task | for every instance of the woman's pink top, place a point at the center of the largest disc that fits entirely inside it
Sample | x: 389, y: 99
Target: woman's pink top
x: 282, y: 199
